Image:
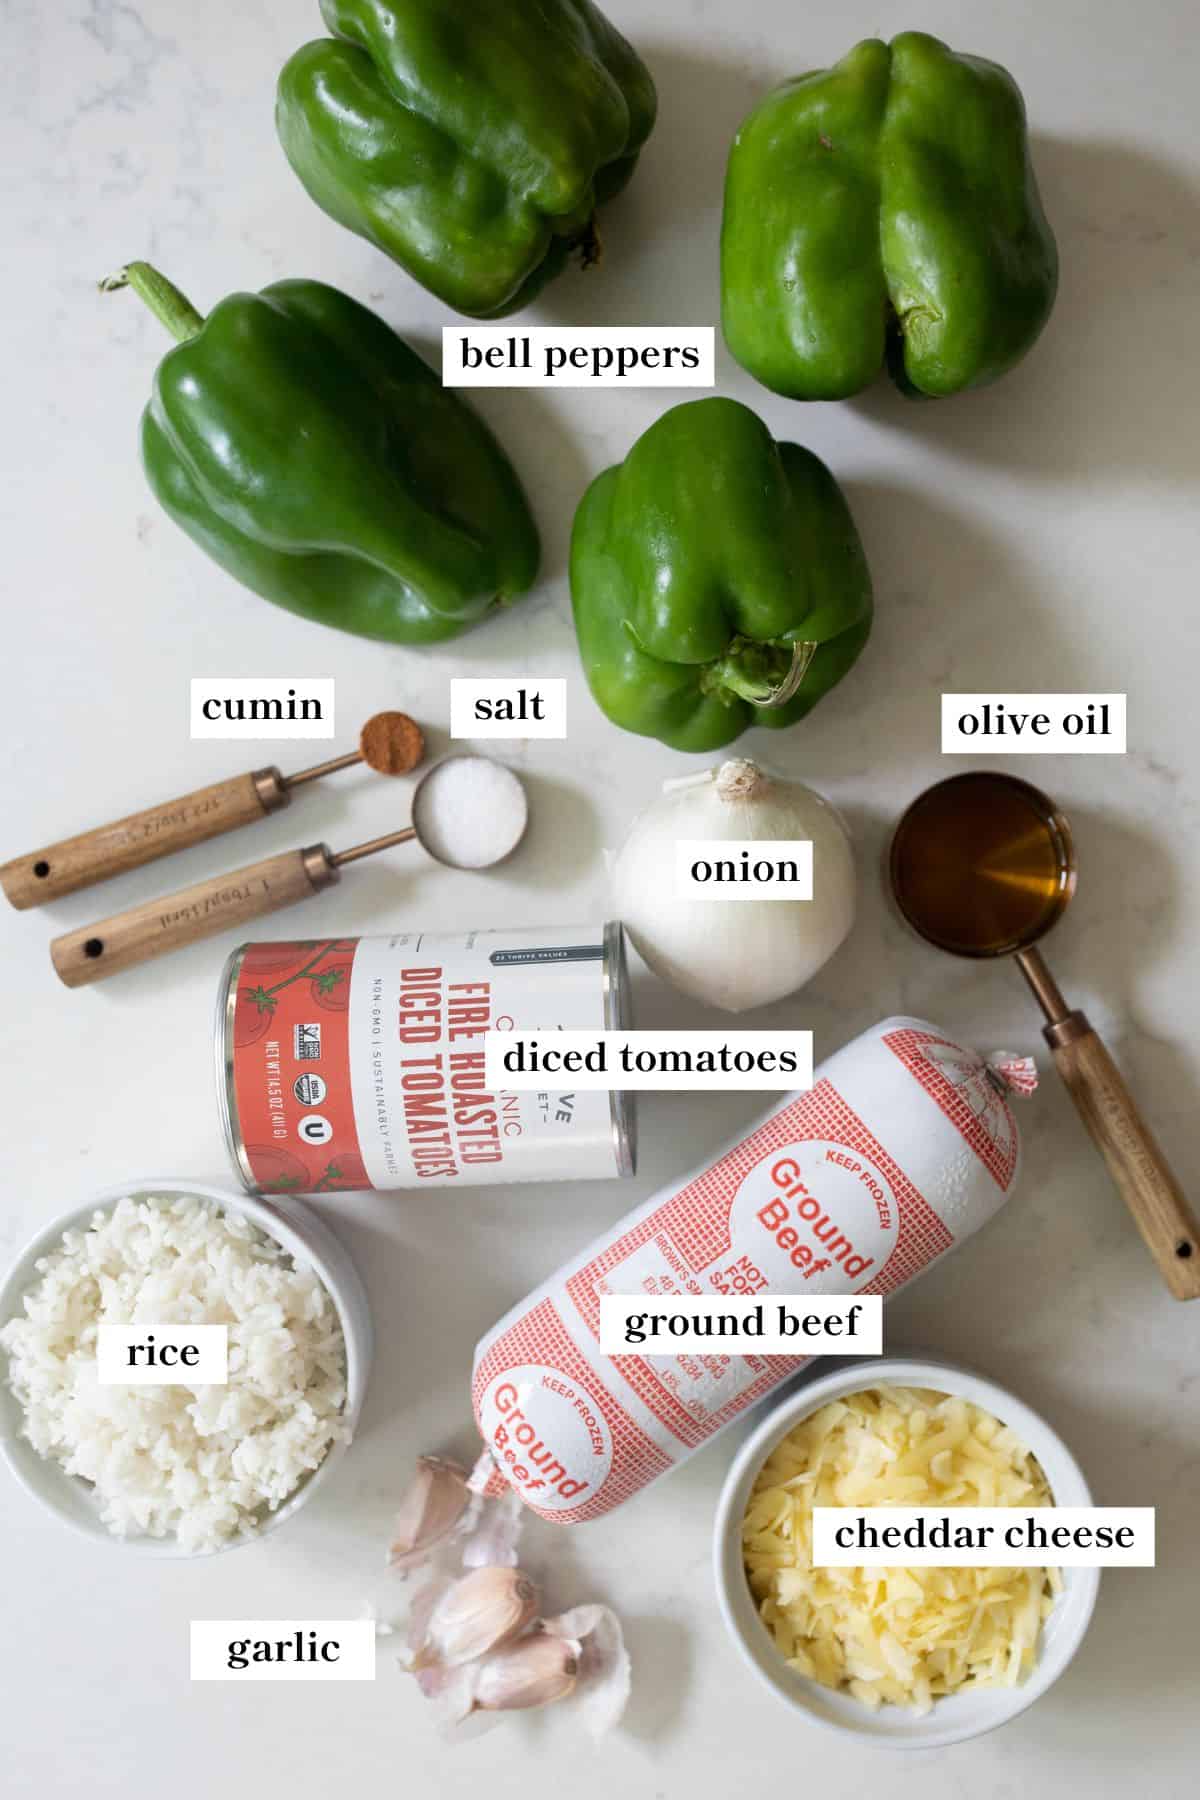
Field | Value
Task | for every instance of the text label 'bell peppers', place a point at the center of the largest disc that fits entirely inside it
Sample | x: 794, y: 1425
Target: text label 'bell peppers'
x: 885, y: 209
x: 470, y: 140
x: 717, y: 580
x: 315, y: 456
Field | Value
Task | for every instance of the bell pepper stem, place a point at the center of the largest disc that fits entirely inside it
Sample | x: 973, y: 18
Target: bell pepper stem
x: 763, y: 674
x: 590, y: 245
x: 165, y: 301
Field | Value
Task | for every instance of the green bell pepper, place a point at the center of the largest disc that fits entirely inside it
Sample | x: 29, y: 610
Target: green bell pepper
x: 717, y: 580
x: 469, y: 140
x: 315, y: 456
x: 885, y: 209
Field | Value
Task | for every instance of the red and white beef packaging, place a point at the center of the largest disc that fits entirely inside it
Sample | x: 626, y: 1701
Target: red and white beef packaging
x: 904, y: 1145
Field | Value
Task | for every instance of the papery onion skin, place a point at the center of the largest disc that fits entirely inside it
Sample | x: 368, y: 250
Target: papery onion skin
x: 735, y: 954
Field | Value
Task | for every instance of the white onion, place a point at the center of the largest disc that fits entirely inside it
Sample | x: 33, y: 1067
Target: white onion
x: 734, y: 953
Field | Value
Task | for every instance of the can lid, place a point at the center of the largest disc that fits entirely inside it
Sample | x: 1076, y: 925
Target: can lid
x: 223, y: 1046
x: 618, y: 1016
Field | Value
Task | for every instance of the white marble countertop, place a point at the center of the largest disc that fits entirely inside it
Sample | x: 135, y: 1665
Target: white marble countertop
x: 1040, y: 535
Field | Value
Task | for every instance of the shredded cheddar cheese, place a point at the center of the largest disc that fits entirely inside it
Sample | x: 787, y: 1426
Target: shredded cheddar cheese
x: 896, y: 1635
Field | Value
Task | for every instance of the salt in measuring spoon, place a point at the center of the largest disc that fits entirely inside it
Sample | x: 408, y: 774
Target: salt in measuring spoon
x: 984, y: 865
x: 390, y: 743
x: 468, y: 813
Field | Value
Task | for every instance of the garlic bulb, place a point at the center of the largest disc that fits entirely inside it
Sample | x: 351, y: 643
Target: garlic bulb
x: 734, y: 953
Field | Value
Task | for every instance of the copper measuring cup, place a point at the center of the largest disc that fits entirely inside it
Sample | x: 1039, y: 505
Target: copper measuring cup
x: 984, y: 865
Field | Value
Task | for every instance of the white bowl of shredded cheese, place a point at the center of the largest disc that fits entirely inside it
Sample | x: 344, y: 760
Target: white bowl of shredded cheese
x: 182, y: 1469
x: 903, y: 1658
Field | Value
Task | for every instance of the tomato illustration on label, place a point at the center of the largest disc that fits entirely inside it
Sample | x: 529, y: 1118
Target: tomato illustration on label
x: 344, y: 1171
x: 330, y: 988
x: 281, y: 956
x: 253, y: 1011
x: 277, y: 1171
x: 329, y: 983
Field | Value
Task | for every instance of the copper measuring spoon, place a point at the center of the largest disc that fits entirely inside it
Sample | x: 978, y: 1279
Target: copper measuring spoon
x: 390, y: 743
x: 127, y: 939
x: 984, y: 865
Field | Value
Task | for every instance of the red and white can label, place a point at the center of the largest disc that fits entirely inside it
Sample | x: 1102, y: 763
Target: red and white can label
x: 359, y: 1062
x: 290, y: 1051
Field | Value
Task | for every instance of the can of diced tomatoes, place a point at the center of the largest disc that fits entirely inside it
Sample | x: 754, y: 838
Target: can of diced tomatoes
x: 359, y: 1062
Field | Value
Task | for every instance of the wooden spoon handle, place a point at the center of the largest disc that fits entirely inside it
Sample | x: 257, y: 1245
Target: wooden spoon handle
x: 1135, y: 1161
x: 129, y: 938
x: 143, y: 837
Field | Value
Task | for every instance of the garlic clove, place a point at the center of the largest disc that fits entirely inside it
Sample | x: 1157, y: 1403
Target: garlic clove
x: 432, y: 1506
x: 419, y: 1612
x: 535, y: 1672
x: 477, y: 1614
x: 436, y: 1681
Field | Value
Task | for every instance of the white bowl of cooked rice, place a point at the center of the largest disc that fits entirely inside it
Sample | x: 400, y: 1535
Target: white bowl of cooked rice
x: 182, y: 1470
x: 903, y: 1658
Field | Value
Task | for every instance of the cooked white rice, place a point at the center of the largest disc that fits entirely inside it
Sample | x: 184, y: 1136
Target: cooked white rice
x: 203, y: 1463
